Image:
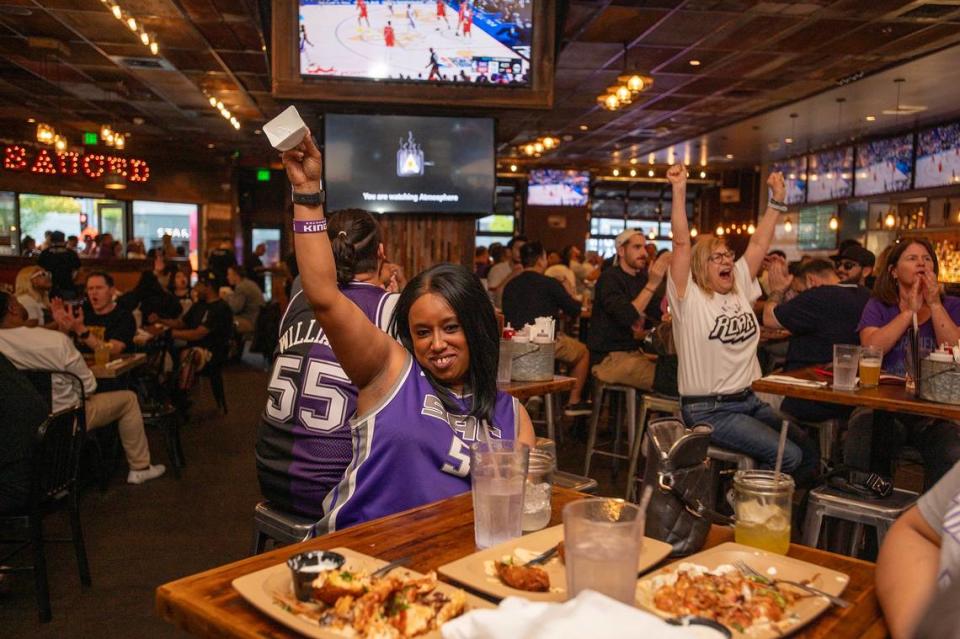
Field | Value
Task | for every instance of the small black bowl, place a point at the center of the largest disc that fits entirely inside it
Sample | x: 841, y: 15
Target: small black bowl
x: 691, y: 620
x: 307, y: 566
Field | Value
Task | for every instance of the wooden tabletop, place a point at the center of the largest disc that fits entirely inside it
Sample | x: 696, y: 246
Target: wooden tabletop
x: 770, y: 334
x: 206, y: 604
x: 128, y: 362
x: 887, y: 397
x: 525, y: 390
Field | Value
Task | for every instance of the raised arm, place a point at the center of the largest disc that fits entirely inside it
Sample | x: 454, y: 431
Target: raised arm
x: 760, y: 242
x: 363, y: 350
x: 680, y: 262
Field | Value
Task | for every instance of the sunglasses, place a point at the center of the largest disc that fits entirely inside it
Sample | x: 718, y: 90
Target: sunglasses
x: 848, y: 265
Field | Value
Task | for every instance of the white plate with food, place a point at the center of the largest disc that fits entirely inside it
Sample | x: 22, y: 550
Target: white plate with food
x: 345, y: 601
x: 710, y: 584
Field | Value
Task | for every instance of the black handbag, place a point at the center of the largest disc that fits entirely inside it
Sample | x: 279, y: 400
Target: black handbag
x: 684, y: 487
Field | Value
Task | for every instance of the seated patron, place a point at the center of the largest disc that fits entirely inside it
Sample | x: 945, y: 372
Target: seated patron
x: 624, y: 295
x: 501, y: 272
x: 99, y: 309
x: 152, y: 300
x: 39, y: 348
x: 245, y: 300
x: 422, y: 400
x: 855, y: 266
x: 530, y: 295
x: 32, y: 288
x: 827, y: 312
x: 179, y: 287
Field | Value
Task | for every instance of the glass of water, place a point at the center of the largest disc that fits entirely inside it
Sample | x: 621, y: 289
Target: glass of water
x: 846, y: 361
x: 602, y: 542
x: 498, y: 474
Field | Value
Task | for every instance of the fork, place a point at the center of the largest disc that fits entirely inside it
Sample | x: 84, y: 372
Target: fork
x: 386, y: 568
x: 543, y: 557
x: 747, y: 570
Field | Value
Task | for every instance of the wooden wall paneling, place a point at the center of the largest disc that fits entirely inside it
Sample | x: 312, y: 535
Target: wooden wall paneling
x: 417, y: 242
x: 541, y: 223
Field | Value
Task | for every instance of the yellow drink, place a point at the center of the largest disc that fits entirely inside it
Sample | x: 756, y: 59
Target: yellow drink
x: 763, y: 537
x: 101, y: 355
x: 869, y: 372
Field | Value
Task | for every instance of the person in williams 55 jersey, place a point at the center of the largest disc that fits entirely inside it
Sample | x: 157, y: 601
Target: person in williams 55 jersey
x: 303, y: 445
x: 421, y: 401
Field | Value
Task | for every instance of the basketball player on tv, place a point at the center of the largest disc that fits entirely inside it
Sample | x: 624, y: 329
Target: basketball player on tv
x: 434, y: 65
x: 442, y: 14
x: 389, y: 38
x: 467, y: 22
x: 362, y: 12
x: 461, y: 11
x: 410, y: 21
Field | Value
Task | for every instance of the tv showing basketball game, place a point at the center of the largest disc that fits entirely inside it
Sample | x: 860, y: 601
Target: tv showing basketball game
x: 830, y: 175
x: 884, y: 166
x: 553, y: 187
x: 938, y: 156
x: 409, y: 164
x: 444, y: 41
x: 795, y: 176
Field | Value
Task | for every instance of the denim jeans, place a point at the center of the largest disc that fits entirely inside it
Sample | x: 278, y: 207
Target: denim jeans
x: 752, y: 427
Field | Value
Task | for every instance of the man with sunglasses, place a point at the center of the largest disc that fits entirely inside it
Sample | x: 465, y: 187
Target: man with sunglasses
x: 855, y: 266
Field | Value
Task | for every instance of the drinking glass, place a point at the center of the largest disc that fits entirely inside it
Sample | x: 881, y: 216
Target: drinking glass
x: 762, y: 501
x: 498, y: 473
x: 846, y: 359
x: 602, y: 542
x: 538, y: 490
x: 871, y: 358
x: 101, y: 355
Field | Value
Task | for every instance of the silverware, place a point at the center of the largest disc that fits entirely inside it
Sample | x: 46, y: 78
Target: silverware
x: 747, y: 570
x: 385, y: 569
x: 543, y: 557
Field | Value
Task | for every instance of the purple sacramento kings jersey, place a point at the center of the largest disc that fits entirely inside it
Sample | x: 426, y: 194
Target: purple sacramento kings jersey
x: 410, y: 452
x: 304, y: 446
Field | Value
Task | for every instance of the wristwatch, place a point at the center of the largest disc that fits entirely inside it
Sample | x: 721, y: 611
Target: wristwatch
x: 308, y: 199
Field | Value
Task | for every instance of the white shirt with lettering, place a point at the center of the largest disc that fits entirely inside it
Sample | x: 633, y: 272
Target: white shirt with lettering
x: 716, y: 335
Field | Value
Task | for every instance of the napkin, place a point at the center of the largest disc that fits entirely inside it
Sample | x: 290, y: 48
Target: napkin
x: 589, y: 614
x: 795, y: 381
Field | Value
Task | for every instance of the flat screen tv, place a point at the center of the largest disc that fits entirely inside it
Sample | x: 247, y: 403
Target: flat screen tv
x: 795, y: 175
x: 409, y: 164
x: 830, y: 175
x: 445, y: 52
x: 553, y: 187
x: 884, y: 166
x: 938, y: 156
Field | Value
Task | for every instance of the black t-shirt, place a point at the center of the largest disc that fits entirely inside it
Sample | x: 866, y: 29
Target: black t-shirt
x: 530, y: 295
x: 118, y: 324
x: 218, y: 261
x: 217, y: 318
x: 61, y: 262
x: 250, y: 265
x: 819, y: 318
x: 613, y: 316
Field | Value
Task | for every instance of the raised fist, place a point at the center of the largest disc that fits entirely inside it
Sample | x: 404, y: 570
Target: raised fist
x: 677, y: 175
x: 778, y: 187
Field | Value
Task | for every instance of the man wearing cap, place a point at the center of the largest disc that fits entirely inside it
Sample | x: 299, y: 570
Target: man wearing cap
x: 855, y: 266
x: 624, y: 298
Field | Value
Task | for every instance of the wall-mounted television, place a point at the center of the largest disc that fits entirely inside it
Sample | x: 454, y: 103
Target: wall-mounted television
x: 554, y: 187
x: 884, y: 166
x: 830, y: 175
x: 481, y: 53
x: 795, y: 176
x: 938, y: 156
x: 409, y: 164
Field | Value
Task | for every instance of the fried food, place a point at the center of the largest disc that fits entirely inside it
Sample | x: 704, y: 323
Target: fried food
x: 331, y: 585
x: 529, y: 578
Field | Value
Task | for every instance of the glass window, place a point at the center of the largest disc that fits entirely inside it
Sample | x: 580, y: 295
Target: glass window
x: 606, y: 226
x: 604, y: 246
x: 153, y: 220
x: 607, y: 207
x: 9, y: 237
x: 42, y: 213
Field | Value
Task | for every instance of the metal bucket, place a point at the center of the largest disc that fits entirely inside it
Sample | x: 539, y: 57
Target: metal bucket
x: 533, y: 362
x: 939, y: 381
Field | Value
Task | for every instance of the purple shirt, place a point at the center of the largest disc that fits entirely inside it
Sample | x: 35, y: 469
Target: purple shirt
x: 410, y: 452
x: 878, y: 314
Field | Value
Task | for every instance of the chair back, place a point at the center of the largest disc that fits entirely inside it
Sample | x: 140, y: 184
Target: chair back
x: 57, y: 455
x: 42, y: 380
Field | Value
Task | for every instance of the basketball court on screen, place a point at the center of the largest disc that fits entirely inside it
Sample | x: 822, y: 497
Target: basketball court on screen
x: 336, y: 43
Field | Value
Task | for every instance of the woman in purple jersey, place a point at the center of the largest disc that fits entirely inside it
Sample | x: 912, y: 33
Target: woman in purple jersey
x: 421, y: 402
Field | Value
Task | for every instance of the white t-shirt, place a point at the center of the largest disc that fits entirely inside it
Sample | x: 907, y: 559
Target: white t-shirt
x: 40, y: 348
x: 940, y: 508
x: 562, y: 273
x: 496, y: 276
x: 716, y: 335
x: 34, y: 308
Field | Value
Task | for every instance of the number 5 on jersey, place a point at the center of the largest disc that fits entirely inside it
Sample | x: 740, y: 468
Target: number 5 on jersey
x: 322, y: 406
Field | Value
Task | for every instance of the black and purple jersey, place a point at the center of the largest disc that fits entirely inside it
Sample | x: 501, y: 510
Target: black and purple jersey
x: 410, y: 451
x: 303, y: 445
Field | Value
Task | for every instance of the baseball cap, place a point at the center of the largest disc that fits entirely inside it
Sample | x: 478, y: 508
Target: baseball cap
x: 626, y: 235
x: 858, y: 254
x: 207, y: 276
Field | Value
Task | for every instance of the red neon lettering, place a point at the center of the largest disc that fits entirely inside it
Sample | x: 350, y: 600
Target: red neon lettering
x: 93, y: 172
x: 69, y: 163
x: 139, y: 170
x: 43, y: 163
x: 15, y: 158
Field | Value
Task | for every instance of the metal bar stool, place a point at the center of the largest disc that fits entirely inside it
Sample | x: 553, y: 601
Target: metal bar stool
x: 826, y: 501
x: 649, y: 403
x: 564, y: 479
x: 269, y: 522
x: 630, y: 396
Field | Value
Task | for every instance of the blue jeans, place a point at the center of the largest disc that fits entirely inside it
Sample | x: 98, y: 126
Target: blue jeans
x: 752, y: 427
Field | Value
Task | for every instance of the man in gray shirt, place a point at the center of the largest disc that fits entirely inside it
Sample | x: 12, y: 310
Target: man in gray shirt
x: 920, y: 556
x: 244, y: 300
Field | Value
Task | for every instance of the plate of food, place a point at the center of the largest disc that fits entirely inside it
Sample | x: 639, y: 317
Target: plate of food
x: 344, y: 599
x: 711, y: 584
x: 501, y: 571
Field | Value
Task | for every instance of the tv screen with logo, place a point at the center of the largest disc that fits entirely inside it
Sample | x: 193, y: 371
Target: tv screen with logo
x: 409, y: 164
x: 484, y: 42
x: 554, y: 187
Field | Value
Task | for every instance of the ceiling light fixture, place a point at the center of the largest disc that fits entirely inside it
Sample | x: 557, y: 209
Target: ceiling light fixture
x: 513, y: 168
x: 146, y: 39
x: 703, y: 175
x: 630, y: 84
x: 834, y: 223
x: 651, y: 173
x: 694, y: 63
x: 729, y: 156
x: 870, y: 118
x: 583, y: 127
x: 751, y: 229
x: 890, y: 221
x: 45, y: 133
x: 224, y: 111
x: 720, y: 231
x: 633, y: 173
x: 616, y: 173
x: 693, y: 232
x: 787, y: 225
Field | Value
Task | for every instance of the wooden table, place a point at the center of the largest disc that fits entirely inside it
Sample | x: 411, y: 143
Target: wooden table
x: 525, y: 390
x: 128, y: 362
x: 206, y: 604
x: 886, y: 397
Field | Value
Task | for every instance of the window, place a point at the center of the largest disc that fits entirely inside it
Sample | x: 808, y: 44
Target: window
x: 42, y: 213
x: 153, y: 220
x: 9, y: 237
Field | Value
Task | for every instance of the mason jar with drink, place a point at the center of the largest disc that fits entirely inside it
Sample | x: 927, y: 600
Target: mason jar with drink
x: 763, y: 500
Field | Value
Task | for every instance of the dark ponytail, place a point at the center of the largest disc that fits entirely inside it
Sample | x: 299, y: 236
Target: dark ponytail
x: 355, y: 238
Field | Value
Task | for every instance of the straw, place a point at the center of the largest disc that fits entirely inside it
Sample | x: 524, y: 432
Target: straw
x: 644, y: 502
x: 784, y: 426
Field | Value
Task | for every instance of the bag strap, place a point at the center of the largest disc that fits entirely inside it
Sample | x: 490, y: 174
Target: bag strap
x: 694, y: 507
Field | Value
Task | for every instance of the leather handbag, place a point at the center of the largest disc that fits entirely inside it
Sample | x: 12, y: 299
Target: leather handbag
x: 681, y: 507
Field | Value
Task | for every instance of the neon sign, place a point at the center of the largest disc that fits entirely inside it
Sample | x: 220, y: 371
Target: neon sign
x: 94, y: 165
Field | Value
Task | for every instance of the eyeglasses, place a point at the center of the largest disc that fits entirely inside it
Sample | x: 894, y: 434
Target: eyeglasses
x: 848, y: 265
x: 720, y: 256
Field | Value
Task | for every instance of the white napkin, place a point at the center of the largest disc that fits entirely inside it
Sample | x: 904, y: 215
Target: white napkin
x: 795, y: 381
x: 589, y: 614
